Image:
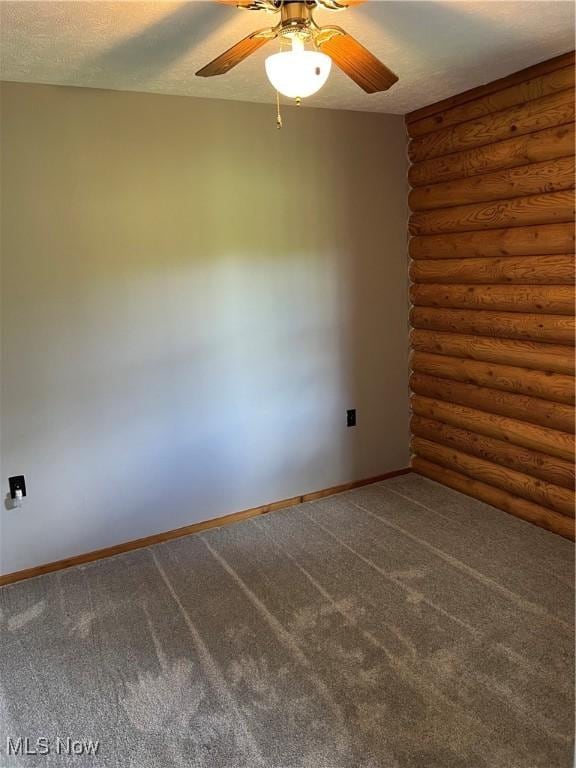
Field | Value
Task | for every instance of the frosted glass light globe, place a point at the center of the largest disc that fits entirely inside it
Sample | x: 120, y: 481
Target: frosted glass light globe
x: 298, y: 73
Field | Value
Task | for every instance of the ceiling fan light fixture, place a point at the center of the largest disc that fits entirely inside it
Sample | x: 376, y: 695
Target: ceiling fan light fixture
x: 298, y: 73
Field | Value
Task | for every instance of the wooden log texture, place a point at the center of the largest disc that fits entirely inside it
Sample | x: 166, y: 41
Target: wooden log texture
x: 492, y: 292
x: 551, y: 299
x: 508, y: 325
x: 537, y: 70
x: 551, y: 358
x: 515, y: 406
x: 511, y: 270
x: 516, y: 241
x: 531, y: 179
x: 536, y: 147
x: 535, y: 88
x: 556, y: 387
x: 532, y: 463
x: 541, y: 492
x: 547, y: 112
x: 553, y: 442
x: 549, y: 208
x: 513, y: 505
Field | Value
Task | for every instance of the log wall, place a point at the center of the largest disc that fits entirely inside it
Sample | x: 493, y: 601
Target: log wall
x: 492, y: 293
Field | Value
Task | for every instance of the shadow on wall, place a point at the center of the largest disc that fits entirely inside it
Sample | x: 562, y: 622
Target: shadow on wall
x: 192, y: 300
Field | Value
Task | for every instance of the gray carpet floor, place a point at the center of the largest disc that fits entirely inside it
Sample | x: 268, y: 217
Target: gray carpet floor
x: 401, y: 625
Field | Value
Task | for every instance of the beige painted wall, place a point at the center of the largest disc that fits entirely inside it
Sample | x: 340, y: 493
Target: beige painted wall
x: 190, y: 301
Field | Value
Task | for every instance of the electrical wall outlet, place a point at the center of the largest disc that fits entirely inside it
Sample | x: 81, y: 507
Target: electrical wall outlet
x: 17, y: 486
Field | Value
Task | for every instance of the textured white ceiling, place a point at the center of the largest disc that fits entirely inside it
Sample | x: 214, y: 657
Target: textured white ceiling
x: 438, y: 48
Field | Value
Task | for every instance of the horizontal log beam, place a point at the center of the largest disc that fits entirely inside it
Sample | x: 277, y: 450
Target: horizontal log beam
x: 508, y: 325
x: 548, y: 495
x: 544, y: 240
x: 531, y: 179
x: 525, y: 354
x: 555, y: 387
x: 534, y: 88
x: 535, y: 147
x: 526, y: 510
x: 550, y: 299
x: 533, y: 463
x: 511, y: 270
x: 549, y: 208
x: 514, y: 431
x: 542, y: 68
x: 547, y: 112
x: 514, y: 406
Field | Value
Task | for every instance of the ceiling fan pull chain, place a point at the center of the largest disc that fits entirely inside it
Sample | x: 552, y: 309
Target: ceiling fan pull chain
x: 278, y: 115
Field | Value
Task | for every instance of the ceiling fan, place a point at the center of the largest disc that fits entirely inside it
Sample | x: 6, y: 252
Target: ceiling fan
x: 299, y: 73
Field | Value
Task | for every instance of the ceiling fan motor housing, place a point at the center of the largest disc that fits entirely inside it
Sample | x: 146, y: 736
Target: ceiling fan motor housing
x: 296, y: 18
x: 297, y: 9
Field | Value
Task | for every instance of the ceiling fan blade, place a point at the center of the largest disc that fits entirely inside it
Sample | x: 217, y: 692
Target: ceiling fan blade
x: 237, y: 53
x: 333, y: 5
x: 356, y: 61
x: 256, y: 5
